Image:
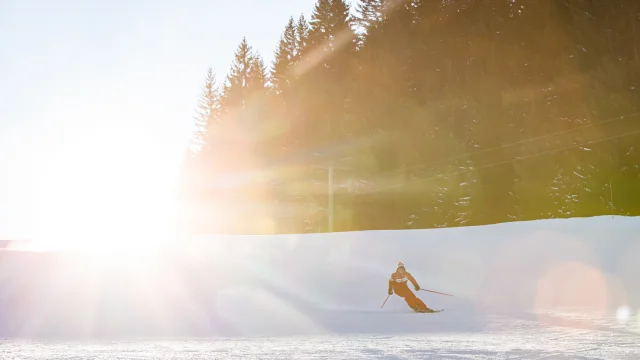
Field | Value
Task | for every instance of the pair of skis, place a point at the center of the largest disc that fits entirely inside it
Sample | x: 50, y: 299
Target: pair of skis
x: 430, y: 311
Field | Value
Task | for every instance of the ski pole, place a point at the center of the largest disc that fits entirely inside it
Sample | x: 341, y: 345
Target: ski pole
x: 385, y: 301
x: 436, y: 292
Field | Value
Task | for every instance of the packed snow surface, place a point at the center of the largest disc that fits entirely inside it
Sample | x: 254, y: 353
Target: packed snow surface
x: 581, y: 336
x: 553, y: 289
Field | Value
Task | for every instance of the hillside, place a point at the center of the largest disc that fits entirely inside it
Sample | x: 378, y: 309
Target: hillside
x: 331, y: 283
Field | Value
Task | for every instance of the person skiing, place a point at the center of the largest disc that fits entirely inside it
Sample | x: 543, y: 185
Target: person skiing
x: 398, y: 284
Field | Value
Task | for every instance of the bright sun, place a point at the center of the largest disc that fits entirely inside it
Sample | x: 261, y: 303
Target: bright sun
x: 103, y: 192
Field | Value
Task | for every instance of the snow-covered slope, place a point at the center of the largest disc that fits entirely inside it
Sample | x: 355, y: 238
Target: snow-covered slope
x: 542, y: 271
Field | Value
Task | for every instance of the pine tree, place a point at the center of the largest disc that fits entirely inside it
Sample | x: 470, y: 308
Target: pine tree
x: 330, y: 25
x: 235, y: 92
x: 302, y: 36
x: 285, y: 58
x: 255, y: 111
x: 372, y: 13
x: 330, y: 48
x: 247, y: 79
x: 432, y: 80
x: 206, y: 111
x: 320, y: 23
x: 256, y: 76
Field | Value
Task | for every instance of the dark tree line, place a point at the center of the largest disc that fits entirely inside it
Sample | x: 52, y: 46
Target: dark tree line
x: 431, y: 113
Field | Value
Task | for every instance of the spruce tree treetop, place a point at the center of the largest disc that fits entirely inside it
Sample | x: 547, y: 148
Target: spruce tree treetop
x: 285, y: 57
x: 302, y: 32
x: 236, y: 82
x: 206, y: 111
x: 329, y: 20
x: 302, y: 38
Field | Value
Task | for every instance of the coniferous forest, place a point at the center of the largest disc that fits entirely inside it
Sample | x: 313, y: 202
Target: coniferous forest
x: 404, y: 114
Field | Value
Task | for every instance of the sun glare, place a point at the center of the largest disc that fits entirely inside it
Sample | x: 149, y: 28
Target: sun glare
x: 105, y: 192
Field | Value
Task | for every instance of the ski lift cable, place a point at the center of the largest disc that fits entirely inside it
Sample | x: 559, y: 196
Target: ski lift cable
x: 510, y: 160
x: 609, y: 120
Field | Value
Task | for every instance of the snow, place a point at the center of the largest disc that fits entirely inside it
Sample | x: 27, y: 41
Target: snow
x: 525, y: 342
x: 526, y: 290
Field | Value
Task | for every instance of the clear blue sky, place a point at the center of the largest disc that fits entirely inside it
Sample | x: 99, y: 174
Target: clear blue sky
x: 95, y: 91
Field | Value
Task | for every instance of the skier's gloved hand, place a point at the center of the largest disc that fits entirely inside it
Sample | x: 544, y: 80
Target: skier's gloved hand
x: 390, y: 292
x: 417, y: 287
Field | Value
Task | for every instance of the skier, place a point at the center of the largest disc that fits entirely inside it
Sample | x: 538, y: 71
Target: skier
x: 398, y: 284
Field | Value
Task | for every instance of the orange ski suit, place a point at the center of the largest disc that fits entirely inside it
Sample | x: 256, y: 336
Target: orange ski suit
x: 398, y: 284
